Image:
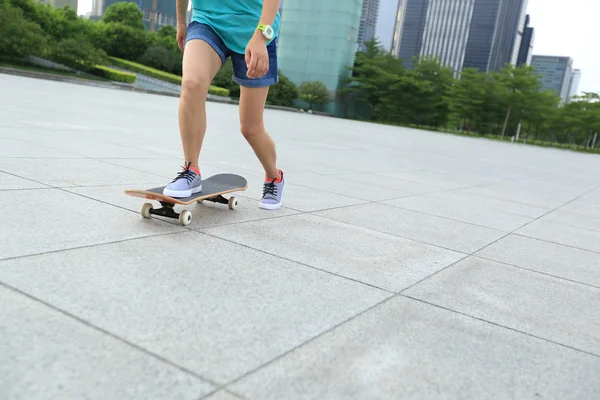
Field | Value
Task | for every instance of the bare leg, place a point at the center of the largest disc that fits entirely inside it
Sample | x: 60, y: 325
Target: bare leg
x: 200, y: 65
x: 252, y: 106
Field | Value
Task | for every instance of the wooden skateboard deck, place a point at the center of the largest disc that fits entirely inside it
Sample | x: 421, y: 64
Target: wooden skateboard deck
x: 213, y: 189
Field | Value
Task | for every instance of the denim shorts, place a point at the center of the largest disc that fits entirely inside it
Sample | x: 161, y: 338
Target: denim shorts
x: 204, y: 32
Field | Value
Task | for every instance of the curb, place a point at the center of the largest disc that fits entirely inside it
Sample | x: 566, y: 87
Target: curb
x: 121, y: 86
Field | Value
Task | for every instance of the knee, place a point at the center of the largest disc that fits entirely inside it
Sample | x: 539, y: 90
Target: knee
x: 195, y: 86
x: 251, y: 129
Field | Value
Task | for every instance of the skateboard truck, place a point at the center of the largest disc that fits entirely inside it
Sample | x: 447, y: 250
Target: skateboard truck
x: 185, y: 217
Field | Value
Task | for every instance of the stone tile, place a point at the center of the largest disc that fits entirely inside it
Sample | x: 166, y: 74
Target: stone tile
x: 483, y: 202
x: 438, y: 178
x: 425, y: 228
x: 333, y: 184
x: 550, y: 258
x: 74, y: 172
x: 46, y: 355
x: 457, y: 207
x: 404, y: 349
x: 36, y: 221
x: 547, y: 307
x: 204, y: 215
x: 371, y: 180
x: 222, y: 395
x: 575, y: 220
x: 564, y: 234
x: 11, y: 182
x: 379, y: 259
x: 12, y: 148
x: 518, y: 194
x: 211, y: 306
x: 587, y: 205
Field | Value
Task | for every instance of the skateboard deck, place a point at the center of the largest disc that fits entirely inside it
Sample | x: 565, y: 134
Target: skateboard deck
x: 213, y: 189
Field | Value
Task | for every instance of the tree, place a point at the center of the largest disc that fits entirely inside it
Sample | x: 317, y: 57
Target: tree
x: 126, y: 13
x: 283, y: 93
x: 123, y: 41
x: 373, y: 72
x: 19, y: 37
x: 520, y: 84
x: 159, y: 57
x: 313, y: 92
x: 78, y: 53
x: 465, y: 97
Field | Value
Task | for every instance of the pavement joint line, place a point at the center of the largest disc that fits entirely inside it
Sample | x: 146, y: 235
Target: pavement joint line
x: 446, y: 218
x: 87, y: 246
x: 538, y: 218
x: 112, y: 335
x: 557, y: 243
x: 536, y: 272
x: 388, y: 233
x: 309, y: 340
x: 500, y: 325
x: 491, y: 243
x: 297, y: 262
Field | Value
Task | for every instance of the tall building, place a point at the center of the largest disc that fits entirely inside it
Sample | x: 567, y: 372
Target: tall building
x: 527, y: 42
x: 555, y: 74
x: 319, y: 42
x: 574, y: 85
x: 408, y: 32
x: 368, y: 21
x: 493, y: 34
x: 166, y: 11
x: 479, y: 34
x: 523, y: 18
x: 62, y: 3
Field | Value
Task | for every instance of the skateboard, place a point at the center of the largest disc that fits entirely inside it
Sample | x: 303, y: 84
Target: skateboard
x: 213, y: 190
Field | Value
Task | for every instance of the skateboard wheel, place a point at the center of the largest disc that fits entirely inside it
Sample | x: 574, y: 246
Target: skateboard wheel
x: 146, y: 210
x: 233, y: 203
x: 185, y: 217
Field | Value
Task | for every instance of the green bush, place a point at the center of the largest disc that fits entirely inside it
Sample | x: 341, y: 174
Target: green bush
x: 123, y: 41
x: 283, y: 93
x: 113, y: 74
x: 165, y: 76
x: 18, y: 36
x: 313, y: 92
x: 79, y: 53
x: 159, y: 57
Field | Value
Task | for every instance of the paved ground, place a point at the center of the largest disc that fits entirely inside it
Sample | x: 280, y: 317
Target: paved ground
x: 405, y: 265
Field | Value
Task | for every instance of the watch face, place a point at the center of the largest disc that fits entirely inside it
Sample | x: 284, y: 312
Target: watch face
x: 269, y: 32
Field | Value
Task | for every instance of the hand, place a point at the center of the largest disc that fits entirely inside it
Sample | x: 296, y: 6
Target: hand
x: 257, y: 57
x: 181, y: 34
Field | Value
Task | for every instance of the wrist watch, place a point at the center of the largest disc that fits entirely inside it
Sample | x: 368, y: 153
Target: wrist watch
x: 267, y: 31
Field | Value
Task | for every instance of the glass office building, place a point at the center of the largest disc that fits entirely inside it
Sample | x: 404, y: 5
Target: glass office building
x: 166, y: 11
x: 555, y: 74
x: 482, y: 34
x: 318, y: 42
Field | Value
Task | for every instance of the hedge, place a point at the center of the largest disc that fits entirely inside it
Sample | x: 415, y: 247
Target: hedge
x: 113, y: 74
x: 165, y: 76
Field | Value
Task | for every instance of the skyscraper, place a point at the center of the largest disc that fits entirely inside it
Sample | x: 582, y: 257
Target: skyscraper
x: 319, y: 41
x: 526, y: 48
x: 480, y: 34
x: 574, y: 85
x: 408, y: 32
x: 555, y: 74
x: 493, y: 34
x: 368, y: 21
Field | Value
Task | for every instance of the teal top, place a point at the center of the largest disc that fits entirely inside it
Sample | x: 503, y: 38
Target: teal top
x: 235, y: 21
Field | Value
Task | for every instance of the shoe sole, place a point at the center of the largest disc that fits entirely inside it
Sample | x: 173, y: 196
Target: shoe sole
x: 269, y: 206
x: 181, y: 194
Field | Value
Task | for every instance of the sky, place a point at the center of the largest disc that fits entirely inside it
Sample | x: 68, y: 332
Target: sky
x: 562, y: 28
